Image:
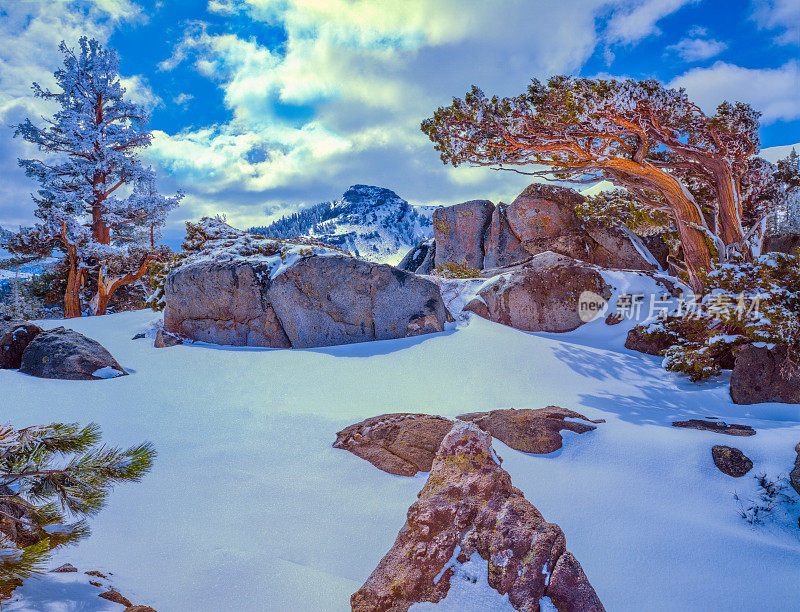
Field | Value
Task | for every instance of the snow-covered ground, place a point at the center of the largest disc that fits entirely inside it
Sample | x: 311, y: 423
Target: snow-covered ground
x: 248, y: 506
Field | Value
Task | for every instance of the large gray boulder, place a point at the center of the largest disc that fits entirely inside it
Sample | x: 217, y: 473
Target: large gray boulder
x: 459, y: 232
x: 317, y: 301
x: 66, y: 354
x: 765, y: 374
x: 15, y: 335
x: 502, y: 247
x: 785, y: 243
x: 222, y: 303
x: 540, y: 295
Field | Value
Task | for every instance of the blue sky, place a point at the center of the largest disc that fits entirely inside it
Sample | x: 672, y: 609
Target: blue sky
x: 261, y: 107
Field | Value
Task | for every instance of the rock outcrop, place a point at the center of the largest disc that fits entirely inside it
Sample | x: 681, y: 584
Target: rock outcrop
x: 764, y: 374
x: 542, y: 218
x: 398, y: 443
x: 794, y: 475
x: 421, y: 259
x: 15, y: 335
x: 316, y: 301
x: 647, y: 342
x: 539, y: 295
x: 785, y: 243
x: 716, y: 426
x: 530, y: 431
x: 66, y: 354
x: 468, y: 505
x: 459, y: 231
x: 731, y: 461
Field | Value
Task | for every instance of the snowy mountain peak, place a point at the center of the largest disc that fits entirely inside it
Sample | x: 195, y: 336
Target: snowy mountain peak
x: 371, y: 222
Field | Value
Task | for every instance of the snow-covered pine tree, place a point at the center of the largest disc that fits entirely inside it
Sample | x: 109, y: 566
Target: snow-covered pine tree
x: 95, y: 195
x: 51, y: 478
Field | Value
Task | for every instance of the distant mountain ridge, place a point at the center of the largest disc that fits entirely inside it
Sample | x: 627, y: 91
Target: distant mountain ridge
x: 371, y: 222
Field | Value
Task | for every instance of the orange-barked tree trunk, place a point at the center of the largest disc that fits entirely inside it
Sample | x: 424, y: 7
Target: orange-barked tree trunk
x: 106, y: 286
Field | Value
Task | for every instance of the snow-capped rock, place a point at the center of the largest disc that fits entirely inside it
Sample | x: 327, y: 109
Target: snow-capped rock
x: 373, y: 223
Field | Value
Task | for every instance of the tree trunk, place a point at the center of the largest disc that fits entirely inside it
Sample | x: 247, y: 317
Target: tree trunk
x: 72, y: 296
x: 688, y: 217
x: 107, y: 286
x: 729, y: 209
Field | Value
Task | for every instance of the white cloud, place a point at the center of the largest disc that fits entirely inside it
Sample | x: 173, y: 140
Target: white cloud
x: 138, y: 90
x: 781, y: 15
x: 697, y: 49
x: 629, y: 26
x: 182, y: 98
x: 773, y: 91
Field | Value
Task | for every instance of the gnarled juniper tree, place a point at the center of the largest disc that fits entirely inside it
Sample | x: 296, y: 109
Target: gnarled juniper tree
x: 96, y: 201
x: 51, y: 478
x: 650, y: 140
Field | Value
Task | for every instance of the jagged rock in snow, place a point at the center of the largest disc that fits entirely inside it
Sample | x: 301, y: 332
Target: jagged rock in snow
x: 794, y: 475
x: 399, y: 443
x: 459, y: 232
x: 373, y: 223
x: 66, y: 354
x: 784, y: 243
x: 116, y: 597
x: 530, y: 431
x: 139, y: 609
x: 731, y: 429
x: 539, y: 295
x: 420, y: 259
x: 246, y: 290
x: 502, y: 247
x: 324, y: 301
x: 15, y: 335
x: 468, y: 505
x: 764, y: 374
x: 646, y: 341
x: 164, y: 340
x: 731, y: 461
x: 66, y: 568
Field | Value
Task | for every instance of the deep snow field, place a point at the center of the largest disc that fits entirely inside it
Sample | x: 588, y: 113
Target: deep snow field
x: 249, y: 508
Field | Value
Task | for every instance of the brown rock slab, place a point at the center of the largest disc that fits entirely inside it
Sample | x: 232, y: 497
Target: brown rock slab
x: 731, y: 461
x: 164, y: 340
x: 618, y: 248
x: 540, y: 295
x: 543, y: 211
x: 764, y: 374
x: 139, y: 609
x: 15, y: 336
x: 399, y: 443
x: 116, y: 597
x: 468, y: 501
x: 530, y: 431
x: 96, y: 584
x: 717, y: 427
x: 459, y: 232
x: 66, y: 568
x: 96, y: 574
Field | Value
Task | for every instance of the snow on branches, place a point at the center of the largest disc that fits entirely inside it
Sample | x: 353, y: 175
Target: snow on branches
x: 95, y: 200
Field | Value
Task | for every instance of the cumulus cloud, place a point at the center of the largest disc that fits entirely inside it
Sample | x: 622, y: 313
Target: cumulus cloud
x: 780, y: 15
x: 773, y: 91
x: 697, y: 49
x: 631, y: 25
